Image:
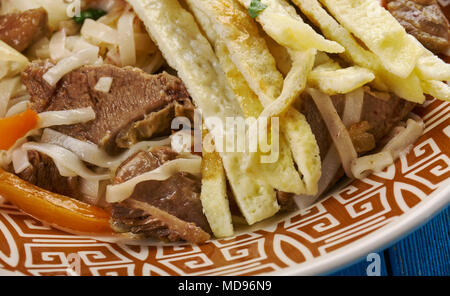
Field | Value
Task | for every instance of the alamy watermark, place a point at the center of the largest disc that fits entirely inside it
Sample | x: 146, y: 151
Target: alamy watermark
x: 73, y: 8
x: 230, y: 134
x: 74, y: 264
x: 374, y: 268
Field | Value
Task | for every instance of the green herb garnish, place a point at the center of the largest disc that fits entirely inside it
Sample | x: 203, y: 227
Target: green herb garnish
x: 90, y: 13
x: 256, y: 7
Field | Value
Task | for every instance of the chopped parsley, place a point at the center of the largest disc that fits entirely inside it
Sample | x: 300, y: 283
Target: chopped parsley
x: 90, y: 13
x: 256, y: 7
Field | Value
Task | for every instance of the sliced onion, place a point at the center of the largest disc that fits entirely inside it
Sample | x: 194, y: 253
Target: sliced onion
x: 104, y: 84
x: 417, y: 119
x: 120, y: 192
x: 6, y: 155
x: 20, y: 160
x: 127, y: 47
x: 19, y: 99
x: 89, y: 187
x: 68, y: 164
x: 407, y: 137
x: 373, y: 163
x: 57, y: 46
x: 113, y: 57
x: 99, y: 33
x: 7, y: 90
x: 65, y: 117
x: 353, y: 107
x: 90, y: 191
x: 40, y: 49
x: 91, y: 153
x: 20, y: 107
x: 338, y: 131
x: 331, y: 165
x: 77, y: 43
x: 98, y: 62
x: 83, y: 57
x: 93, y: 192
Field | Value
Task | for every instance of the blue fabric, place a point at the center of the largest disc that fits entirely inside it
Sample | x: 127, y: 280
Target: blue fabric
x: 425, y: 252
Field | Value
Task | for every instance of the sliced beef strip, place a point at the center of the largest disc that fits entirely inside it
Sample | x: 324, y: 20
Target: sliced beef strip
x: 378, y: 118
x: 138, y: 222
x: 142, y: 162
x: 138, y: 106
x: 424, y: 20
x: 178, y: 196
x: 39, y: 89
x: 44, y: 174
x: 154, y: 124
x: 384, y: 115
x: 167, y: 226
x: 20, y: 30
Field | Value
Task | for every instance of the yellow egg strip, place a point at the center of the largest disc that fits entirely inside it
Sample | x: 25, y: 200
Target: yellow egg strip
x: 281, y: 174
x: 379, y: 31
x: 249, y: 53
x: 214, y: 194
x: 280, y: 20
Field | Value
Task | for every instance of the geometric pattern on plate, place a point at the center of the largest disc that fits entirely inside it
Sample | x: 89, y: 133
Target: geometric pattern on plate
x: 344, y: 217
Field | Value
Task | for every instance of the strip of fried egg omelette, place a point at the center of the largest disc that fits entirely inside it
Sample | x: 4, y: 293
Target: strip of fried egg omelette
x: 249, y: 52
x: 282, y: 175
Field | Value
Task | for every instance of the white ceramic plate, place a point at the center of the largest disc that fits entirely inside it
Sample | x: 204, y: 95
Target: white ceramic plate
x: 360, y: 218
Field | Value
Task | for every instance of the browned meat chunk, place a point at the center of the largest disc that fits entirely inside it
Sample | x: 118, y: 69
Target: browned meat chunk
x: 20, y: 30
x: 361, y: 138
x: 44, y: 174
x: 384, y: 115
x: 138, y: 106
x: 424, y: 20
x: 286, y: 201
x: 179, y: 197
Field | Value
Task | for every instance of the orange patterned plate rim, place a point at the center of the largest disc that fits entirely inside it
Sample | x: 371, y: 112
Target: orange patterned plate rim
x: 362, y: 217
